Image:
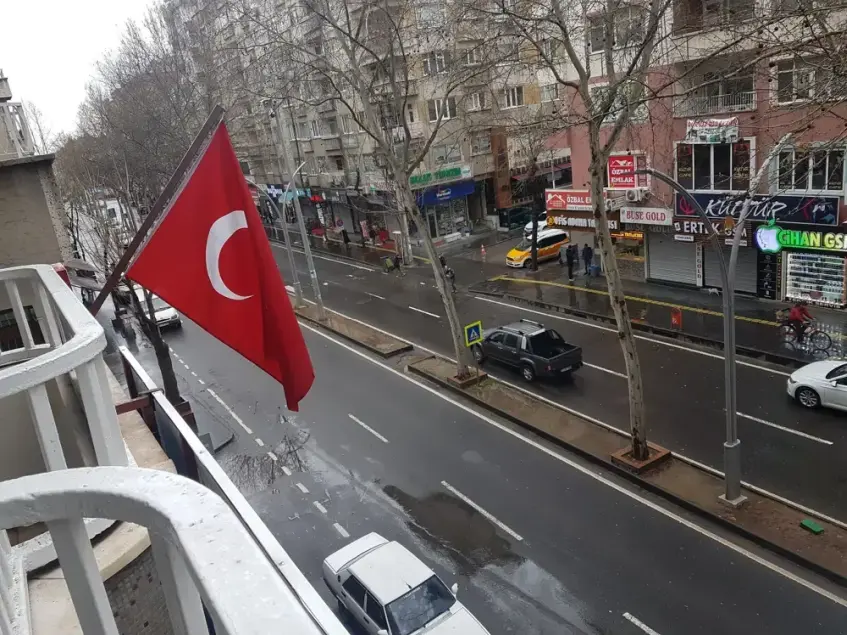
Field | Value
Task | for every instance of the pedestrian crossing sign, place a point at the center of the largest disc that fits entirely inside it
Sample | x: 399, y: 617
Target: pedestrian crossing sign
x: 473, y: 333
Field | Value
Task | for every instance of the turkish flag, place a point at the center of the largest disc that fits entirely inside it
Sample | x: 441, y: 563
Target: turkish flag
x: 209, y: 258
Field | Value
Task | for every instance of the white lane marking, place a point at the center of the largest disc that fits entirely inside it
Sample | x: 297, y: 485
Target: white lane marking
x: 319, y: 507
x: 339, y: 262
x: 302, y: 488
x: 187, y: 367
x: 341, y: 531
x: 286, y: 471
x: 605, y: 370
x: 193, y: 374
x: 600, y: 478
x: 259, y: 442
x: 201, y: 382
x: 374, y: 295
x: 435, y: 315
x: 639, y: 624
x: 639, y: 337
x: 229, y: 410
x: 482, y: 511
x: 368, y: 428
x: 784, y: 429
x: 273, y: 457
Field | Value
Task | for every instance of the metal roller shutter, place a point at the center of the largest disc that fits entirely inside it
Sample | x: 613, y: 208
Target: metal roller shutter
x: 671, y: 260
x: 745, y: 269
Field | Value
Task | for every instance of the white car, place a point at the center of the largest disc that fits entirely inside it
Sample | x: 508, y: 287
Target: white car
x: 820, y: 384
x: 540, y: 219
x: 389, y: 591
x: 166, y: 315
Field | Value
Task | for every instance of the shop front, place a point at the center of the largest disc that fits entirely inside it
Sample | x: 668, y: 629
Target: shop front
x: 445, y: 208
x: 631, y: 242
x: 808, y: 261
x: 571, y: 210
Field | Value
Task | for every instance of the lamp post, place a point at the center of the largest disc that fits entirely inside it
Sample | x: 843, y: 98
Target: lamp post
x: 732, y: 445
x: 295, y: 279
x: 307, y: 248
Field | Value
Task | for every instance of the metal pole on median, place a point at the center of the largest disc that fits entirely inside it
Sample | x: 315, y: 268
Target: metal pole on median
x: 307, y: 248
x: 295, y: 279
x: 732, y: 445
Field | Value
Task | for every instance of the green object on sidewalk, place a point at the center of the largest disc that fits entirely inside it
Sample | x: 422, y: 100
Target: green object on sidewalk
x: 810, y: 525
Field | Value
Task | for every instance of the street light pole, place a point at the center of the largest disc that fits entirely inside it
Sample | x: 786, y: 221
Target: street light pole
x: 307, y: 248
x: 295, y: 279
x: 732, y: 445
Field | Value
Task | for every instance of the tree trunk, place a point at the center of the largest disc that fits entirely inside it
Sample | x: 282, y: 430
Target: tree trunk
x: 163, y: 355
x: 637, y: 422
x: 407, y: 205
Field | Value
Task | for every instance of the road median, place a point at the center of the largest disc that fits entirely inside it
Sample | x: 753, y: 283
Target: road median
x: 767, y: 522
x: 378, y: 343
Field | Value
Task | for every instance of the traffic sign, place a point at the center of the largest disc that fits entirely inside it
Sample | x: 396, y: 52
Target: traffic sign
x: 473, y: 333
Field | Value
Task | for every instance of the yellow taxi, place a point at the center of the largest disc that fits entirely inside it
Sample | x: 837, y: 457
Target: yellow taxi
x: 549, y: 243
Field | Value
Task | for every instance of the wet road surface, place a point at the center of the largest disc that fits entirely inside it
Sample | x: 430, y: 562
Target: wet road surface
x: 787, y: 450
x: 536, y: 545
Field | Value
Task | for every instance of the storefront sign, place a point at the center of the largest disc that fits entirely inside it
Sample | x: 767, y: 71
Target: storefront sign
x: 622, y: 171
x: 571, y: 200
x: 818, y: 210
x: 698, y: 263
x: 725, y: 228
x: 276, y: 192
x: 684, y: 238
x: 712, y: 130
x: 647, y: 215
x: 769, y: 273
x: 447, y: 174
x: 444, y: 193
x: 628, y: 235
x: 583, y: 221
x: 772, y: 239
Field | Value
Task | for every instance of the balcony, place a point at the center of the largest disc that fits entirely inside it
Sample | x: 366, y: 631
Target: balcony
x: 205, y: 551
x: 326, y: 106
x: 15, y: 137
x: 398, y: 133
x: 701, y: 105
x: 331, y: 144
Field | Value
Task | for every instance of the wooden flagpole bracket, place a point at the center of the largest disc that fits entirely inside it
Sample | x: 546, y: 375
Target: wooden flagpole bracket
x: 162, y: 202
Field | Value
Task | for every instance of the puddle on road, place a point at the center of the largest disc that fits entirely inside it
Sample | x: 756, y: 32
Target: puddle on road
x: 254, y: 473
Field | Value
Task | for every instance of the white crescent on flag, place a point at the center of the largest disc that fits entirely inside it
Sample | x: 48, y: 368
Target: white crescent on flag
x: 220, y: 232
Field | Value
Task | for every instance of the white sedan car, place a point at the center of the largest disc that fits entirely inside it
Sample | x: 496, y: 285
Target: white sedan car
x: 820, y: 384
x: 389, y: 591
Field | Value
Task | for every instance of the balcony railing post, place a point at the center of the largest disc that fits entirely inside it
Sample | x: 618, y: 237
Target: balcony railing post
x: 7, y: 609
x: 45, y: 428
x: 45, y: 313
x: 184, y: 604
x: 20, y: 314
x: 100, y: 412
x: 85, y: 584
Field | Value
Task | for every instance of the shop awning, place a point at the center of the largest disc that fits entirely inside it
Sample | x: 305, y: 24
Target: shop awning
x: 542, y: 172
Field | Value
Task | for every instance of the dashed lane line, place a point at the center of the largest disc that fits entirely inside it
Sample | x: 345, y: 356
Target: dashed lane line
x: 784, y: 429
x: 639, y: 624
x: 368, y: 428
x: 273, y: 457
x: 482, y: 511
x: 231, y: 412
x: 286, y: 470
x: 374, y: 295
x: 341, y: 531
x: 319, y: 507
x: 259, y: 442
x: 302, y: 488
x: 435, y: 315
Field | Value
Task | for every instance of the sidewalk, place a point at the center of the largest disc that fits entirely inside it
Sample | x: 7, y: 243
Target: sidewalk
x: 651, y: 305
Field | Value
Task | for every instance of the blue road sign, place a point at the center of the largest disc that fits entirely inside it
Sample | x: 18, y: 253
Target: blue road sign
x: 473, y: 333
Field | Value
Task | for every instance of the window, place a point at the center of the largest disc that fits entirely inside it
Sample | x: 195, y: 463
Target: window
x: 549, y: 92
x: 348, y: 126
x: 475, y: 101
x: 444, y: 108
x: 303, y: 130
x: 376, y: 612
x: 315, y: 128
x: 817, y: 170
x: 508, y: 53
x: 411, y: 116
x: 434, y: 63
x: 797, y: 80
x: 622, y: 98
x: 713, y: 166
x: 511, y: 340
x: 514, y: 97
x: 355, y: 590
x: 627, y: 26
x: 472, y: 57
x: 549, y: 50
x: 497, y: 338
x: 331, y: 126
x: 447, y: 153
x: 431, y: 15
x: 481, y: 143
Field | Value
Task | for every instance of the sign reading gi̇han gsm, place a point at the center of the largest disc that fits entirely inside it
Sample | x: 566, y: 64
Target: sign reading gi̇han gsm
x: 772, y: 239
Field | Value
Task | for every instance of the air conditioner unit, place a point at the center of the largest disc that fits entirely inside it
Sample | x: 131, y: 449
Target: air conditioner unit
x: 635, y: 195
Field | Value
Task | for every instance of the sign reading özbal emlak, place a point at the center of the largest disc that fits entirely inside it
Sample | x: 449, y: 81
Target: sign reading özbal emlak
x: 773, y: 238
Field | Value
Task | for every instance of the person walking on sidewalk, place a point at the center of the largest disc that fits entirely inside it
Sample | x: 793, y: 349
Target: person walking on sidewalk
x: 345, y: 238
x: 448, y: 272
x: 587, y: 257
x: 567, y: 256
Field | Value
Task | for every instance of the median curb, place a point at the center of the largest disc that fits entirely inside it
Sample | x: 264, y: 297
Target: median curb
x: 641, y: 481
x: 680, y: 336
x: 377, y: 343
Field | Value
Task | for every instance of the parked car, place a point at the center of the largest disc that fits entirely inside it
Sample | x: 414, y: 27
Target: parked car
x: 549, y: 241
x: 387, y: 590
x: 166, y: 316
x: 528, y: 346
x: 540, y: 220
x: 820, y: 384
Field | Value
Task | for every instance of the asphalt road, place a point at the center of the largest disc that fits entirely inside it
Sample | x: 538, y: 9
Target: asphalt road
x: 556, y: 549
x: 787, y: 450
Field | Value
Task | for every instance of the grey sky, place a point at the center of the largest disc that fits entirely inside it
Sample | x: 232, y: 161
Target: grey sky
x: 48, y: 49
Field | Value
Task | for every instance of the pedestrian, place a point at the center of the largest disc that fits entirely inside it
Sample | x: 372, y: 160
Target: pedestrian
x: 372, y: 234
x: 587, y: 257
x: 345, y: 238
x: 448, y: 272
x: 570, y: 259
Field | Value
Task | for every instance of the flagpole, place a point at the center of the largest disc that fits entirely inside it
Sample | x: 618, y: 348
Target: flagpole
x: 188, y: 161
x: 307, y: 248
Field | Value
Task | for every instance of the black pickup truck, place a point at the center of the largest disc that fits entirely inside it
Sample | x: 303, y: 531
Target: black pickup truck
x: 528, y: 346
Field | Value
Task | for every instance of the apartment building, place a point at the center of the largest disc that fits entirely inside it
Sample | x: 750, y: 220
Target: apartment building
x: 710, y: 122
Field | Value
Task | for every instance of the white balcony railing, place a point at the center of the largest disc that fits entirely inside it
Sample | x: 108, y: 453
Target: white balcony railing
x: 15, y: 136
x: 700, y: 105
